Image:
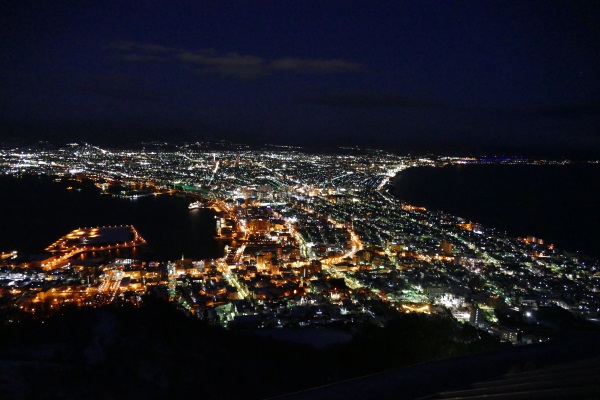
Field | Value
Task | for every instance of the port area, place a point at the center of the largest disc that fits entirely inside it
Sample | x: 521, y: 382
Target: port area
x: 83, y: 240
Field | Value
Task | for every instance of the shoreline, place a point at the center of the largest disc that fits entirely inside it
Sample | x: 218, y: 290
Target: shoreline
x: 488, y: 209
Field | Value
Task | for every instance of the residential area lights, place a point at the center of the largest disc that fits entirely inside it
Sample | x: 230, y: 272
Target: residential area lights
x: 310, y: 239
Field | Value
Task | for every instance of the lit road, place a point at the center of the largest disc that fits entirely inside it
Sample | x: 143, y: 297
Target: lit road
x: 111, y: 284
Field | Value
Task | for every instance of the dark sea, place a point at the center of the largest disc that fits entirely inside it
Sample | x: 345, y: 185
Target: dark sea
x: 557, y: 203
x: 36, y: 211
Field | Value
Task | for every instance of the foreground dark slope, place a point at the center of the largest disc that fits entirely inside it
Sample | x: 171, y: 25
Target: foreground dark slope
x: 156, y: 351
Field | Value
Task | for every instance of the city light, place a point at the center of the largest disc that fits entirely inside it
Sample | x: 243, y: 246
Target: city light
x: 298, y: 229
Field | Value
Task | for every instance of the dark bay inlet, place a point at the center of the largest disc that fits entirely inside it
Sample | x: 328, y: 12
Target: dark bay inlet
x: 37, y: 211
x: 558, y: 203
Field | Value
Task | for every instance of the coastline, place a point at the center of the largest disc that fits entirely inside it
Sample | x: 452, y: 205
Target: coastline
x: 551, y: 202
x: 42, y: 211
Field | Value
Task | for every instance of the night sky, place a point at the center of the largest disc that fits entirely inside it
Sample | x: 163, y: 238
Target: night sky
x: 397, y: 74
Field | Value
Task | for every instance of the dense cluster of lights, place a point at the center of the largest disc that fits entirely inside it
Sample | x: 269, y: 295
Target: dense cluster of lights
x: 312, y: 238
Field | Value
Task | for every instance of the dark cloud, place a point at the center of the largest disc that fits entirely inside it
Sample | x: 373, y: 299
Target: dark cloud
x: 304, y: 66
x: 229, y: 65
x: 565, y: 111
x: 140, y: 57
x: 372, y: 100
x: 134, y: 47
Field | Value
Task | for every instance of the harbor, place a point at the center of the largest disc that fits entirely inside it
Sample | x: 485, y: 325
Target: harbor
x: 83, y: 240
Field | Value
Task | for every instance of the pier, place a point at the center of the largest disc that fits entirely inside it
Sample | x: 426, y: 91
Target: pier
x: 84, y: 240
